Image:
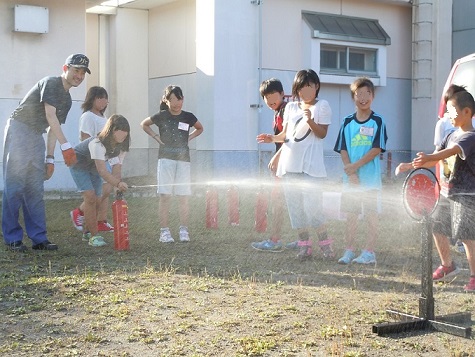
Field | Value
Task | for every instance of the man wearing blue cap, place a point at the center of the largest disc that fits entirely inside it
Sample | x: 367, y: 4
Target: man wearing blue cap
x: 43, y: 109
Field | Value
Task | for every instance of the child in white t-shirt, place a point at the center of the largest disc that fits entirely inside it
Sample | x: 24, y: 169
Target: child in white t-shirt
x: 301, y: 163
x: 91, y: 123
x: 90, y: 170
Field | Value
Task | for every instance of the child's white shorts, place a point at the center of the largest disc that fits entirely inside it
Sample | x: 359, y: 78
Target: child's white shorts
x: 173, y: 177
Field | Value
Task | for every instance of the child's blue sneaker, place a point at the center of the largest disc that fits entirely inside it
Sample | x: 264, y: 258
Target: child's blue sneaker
x: 267, y: 245
x: 97, y: 241
x: 365, y: 257
x: 292, y: 245
x: 347, y: 257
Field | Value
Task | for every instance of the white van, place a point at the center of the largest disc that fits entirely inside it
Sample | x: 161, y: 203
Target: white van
x: 462, y: 74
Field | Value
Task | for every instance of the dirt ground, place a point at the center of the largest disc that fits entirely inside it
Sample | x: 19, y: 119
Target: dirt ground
x: 216, y: 296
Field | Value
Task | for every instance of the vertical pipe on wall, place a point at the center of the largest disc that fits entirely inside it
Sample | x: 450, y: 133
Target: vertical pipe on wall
x: 259, y: 79
x: 104, y: 51
x: 260, y: 45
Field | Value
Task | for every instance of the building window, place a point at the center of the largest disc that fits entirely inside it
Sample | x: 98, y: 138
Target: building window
x: 348, y: 60
x: 343, y: 48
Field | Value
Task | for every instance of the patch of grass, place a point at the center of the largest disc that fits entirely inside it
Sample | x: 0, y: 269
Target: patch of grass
x: 215, y: 296
x: 252, y: 346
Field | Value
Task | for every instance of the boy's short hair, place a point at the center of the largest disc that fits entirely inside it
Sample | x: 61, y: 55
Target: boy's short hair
x: 269, y: 86
x: 453, y: 88
x: 360, y: 83
x: 463, y: 99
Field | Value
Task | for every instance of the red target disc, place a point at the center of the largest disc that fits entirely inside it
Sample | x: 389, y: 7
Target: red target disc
x: 421, y: 193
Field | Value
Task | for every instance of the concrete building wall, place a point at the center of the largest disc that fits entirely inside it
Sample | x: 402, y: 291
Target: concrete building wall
x: 463, y: 29
x: 431, y: 65
x: 128, y: 92
x: 27, y: 57
x: 281, y: 41
x: 172, y: 39
x: 238, y: 38
x: 282, y: 57
x: 218, y: 52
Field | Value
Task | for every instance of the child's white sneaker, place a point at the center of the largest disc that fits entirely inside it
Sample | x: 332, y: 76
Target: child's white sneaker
x: 166, y: 236
x: 184, y: 235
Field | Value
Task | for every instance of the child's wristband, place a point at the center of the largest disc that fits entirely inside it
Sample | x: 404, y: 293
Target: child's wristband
x: 65, y: 146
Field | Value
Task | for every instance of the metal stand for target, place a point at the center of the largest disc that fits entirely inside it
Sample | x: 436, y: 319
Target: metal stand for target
x: 421, y: 191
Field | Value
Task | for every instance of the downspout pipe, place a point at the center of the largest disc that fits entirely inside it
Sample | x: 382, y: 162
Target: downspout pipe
x: 259, y: 79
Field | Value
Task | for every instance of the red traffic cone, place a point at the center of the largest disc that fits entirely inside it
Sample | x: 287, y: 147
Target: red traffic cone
x: 233, y: 206
x: 212, y: 208
x: 120, y: 213
x: 261, y: 211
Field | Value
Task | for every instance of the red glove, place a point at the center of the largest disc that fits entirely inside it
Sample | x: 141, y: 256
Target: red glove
x: 49, y: 167
x: 69, y: 154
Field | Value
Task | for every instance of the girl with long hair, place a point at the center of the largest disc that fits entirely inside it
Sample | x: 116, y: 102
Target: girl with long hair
x: 91, y: 170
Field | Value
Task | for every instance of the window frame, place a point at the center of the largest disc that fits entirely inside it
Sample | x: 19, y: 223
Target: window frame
x: 378, y: 77
x: 346, y: 52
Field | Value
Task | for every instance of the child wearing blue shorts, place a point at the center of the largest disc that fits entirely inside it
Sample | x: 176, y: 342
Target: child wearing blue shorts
x: 90, y: 170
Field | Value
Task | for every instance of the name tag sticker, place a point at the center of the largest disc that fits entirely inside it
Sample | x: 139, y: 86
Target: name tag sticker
x: 183, y: 126
x: 367, y: 131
